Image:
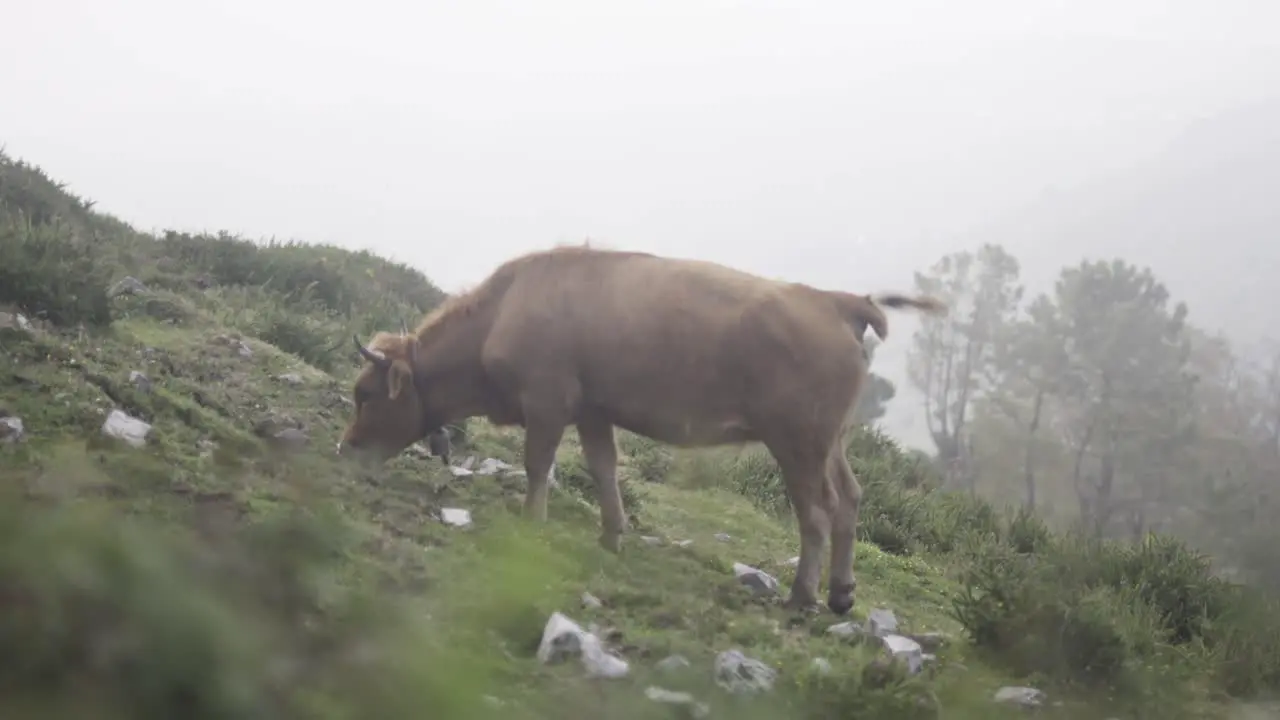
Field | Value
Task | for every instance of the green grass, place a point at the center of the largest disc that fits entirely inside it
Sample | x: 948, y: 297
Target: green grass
x: 217, y: 574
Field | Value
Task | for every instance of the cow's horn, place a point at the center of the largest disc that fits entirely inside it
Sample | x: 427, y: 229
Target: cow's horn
x: 374, y: 356
x: 410, y: 342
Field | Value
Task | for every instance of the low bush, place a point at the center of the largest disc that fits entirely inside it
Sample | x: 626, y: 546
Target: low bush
x: 50, y: 275
x: 572, y: 474
x: 650, y: 460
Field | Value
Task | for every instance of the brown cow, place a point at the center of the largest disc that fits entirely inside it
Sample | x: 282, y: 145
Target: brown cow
x: 686, y: 352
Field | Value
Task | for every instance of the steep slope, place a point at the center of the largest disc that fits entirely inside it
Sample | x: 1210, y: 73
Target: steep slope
x: 224, y: 564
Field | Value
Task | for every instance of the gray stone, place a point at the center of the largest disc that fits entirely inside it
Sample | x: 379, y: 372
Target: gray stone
x: 683, y: 700
x: 881, y: 622
x: 591, y: 602
x: 672, y: 663
x: 291, y: 437
x: 724, y: 537
x: 122, y: 426
x: 290, y: 378
x: 140, y: 381
x: 1028, y: 697
x: 738, y: 673
x: 457, y: 517
x: 129, y: 285
x: 930, y: 641
x: 492, y: 466
x: 822, y: 666
x: 847, y: 629
x: 11, y: 429
x: 906, y: 650
x: 760, y: 582
x: 562, y: 639
x: 15, y: 320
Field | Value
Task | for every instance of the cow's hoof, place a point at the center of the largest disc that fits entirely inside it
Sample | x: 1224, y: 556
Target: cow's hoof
x: 802, y: 605
x: 612, y: 543
x: 840, y: 599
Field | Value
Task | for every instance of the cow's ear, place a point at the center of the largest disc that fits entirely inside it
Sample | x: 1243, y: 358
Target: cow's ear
x: 398, y: 377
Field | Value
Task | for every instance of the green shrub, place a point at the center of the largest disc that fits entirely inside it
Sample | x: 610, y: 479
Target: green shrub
x: 356, y: 286
x: 652, y: 461
x: 572, y: 474
x: 1020, y: 608
x: 50, y: 275
x: 1170, y: 577
x: 1244, y: 642
x: 1027, y: 532
x: 754, y: 474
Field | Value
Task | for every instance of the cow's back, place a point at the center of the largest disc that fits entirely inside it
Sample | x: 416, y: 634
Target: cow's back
x: 684, y: 351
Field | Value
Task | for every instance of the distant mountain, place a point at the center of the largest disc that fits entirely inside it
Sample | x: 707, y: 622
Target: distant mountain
x: 1204, y: 214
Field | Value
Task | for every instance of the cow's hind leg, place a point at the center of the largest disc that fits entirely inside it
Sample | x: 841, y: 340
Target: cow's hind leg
x: 601, y: 454
x: 844, y: 531
x: 541, y: 438
x: 814, y: 502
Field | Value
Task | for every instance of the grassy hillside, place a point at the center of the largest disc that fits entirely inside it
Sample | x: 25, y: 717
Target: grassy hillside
x: 228, y: 566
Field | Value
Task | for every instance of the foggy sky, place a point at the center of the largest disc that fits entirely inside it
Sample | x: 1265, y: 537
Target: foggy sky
x: 843, y: 144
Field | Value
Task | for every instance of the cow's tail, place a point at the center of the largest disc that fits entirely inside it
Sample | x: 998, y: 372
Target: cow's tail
x: 863, y: 311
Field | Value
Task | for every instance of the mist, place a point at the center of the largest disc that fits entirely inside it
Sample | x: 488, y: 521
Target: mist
x: 844, y: 145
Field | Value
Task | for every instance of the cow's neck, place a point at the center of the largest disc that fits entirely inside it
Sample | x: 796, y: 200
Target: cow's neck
x: 448, y: 366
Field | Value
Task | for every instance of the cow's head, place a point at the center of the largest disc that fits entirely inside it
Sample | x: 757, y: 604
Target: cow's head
x: 390, y: 414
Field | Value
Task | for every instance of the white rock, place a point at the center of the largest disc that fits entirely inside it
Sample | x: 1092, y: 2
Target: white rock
x: 129, y: 285
x: 491, y: 466
x: 682, y: 543
x: 881, y: 622
x: 591, y: 601
x: 847, y: 629
x: 822, y: 666
x: 930, y: 641
x: 681, y: 699
x: 793, y: 562
x: 292, y: 436
x: 760, y: 582
x: 457, y: 517
x: 468, y: 462
x: 290, y: 378
x: 122, y: 426
x: 738, y: 673
x: 650, y: 540
x: 724, y: 537
x: 11, y: 430
x: 140, y: 381
x: 14, y: 320
x: 672, y: 663
x: 904, y: 649
x: 563, y: 638
x: 1024, y: 696
x: 459, y: 471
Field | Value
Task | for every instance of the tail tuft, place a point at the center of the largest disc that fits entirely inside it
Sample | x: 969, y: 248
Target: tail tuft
x: 924, y: 303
